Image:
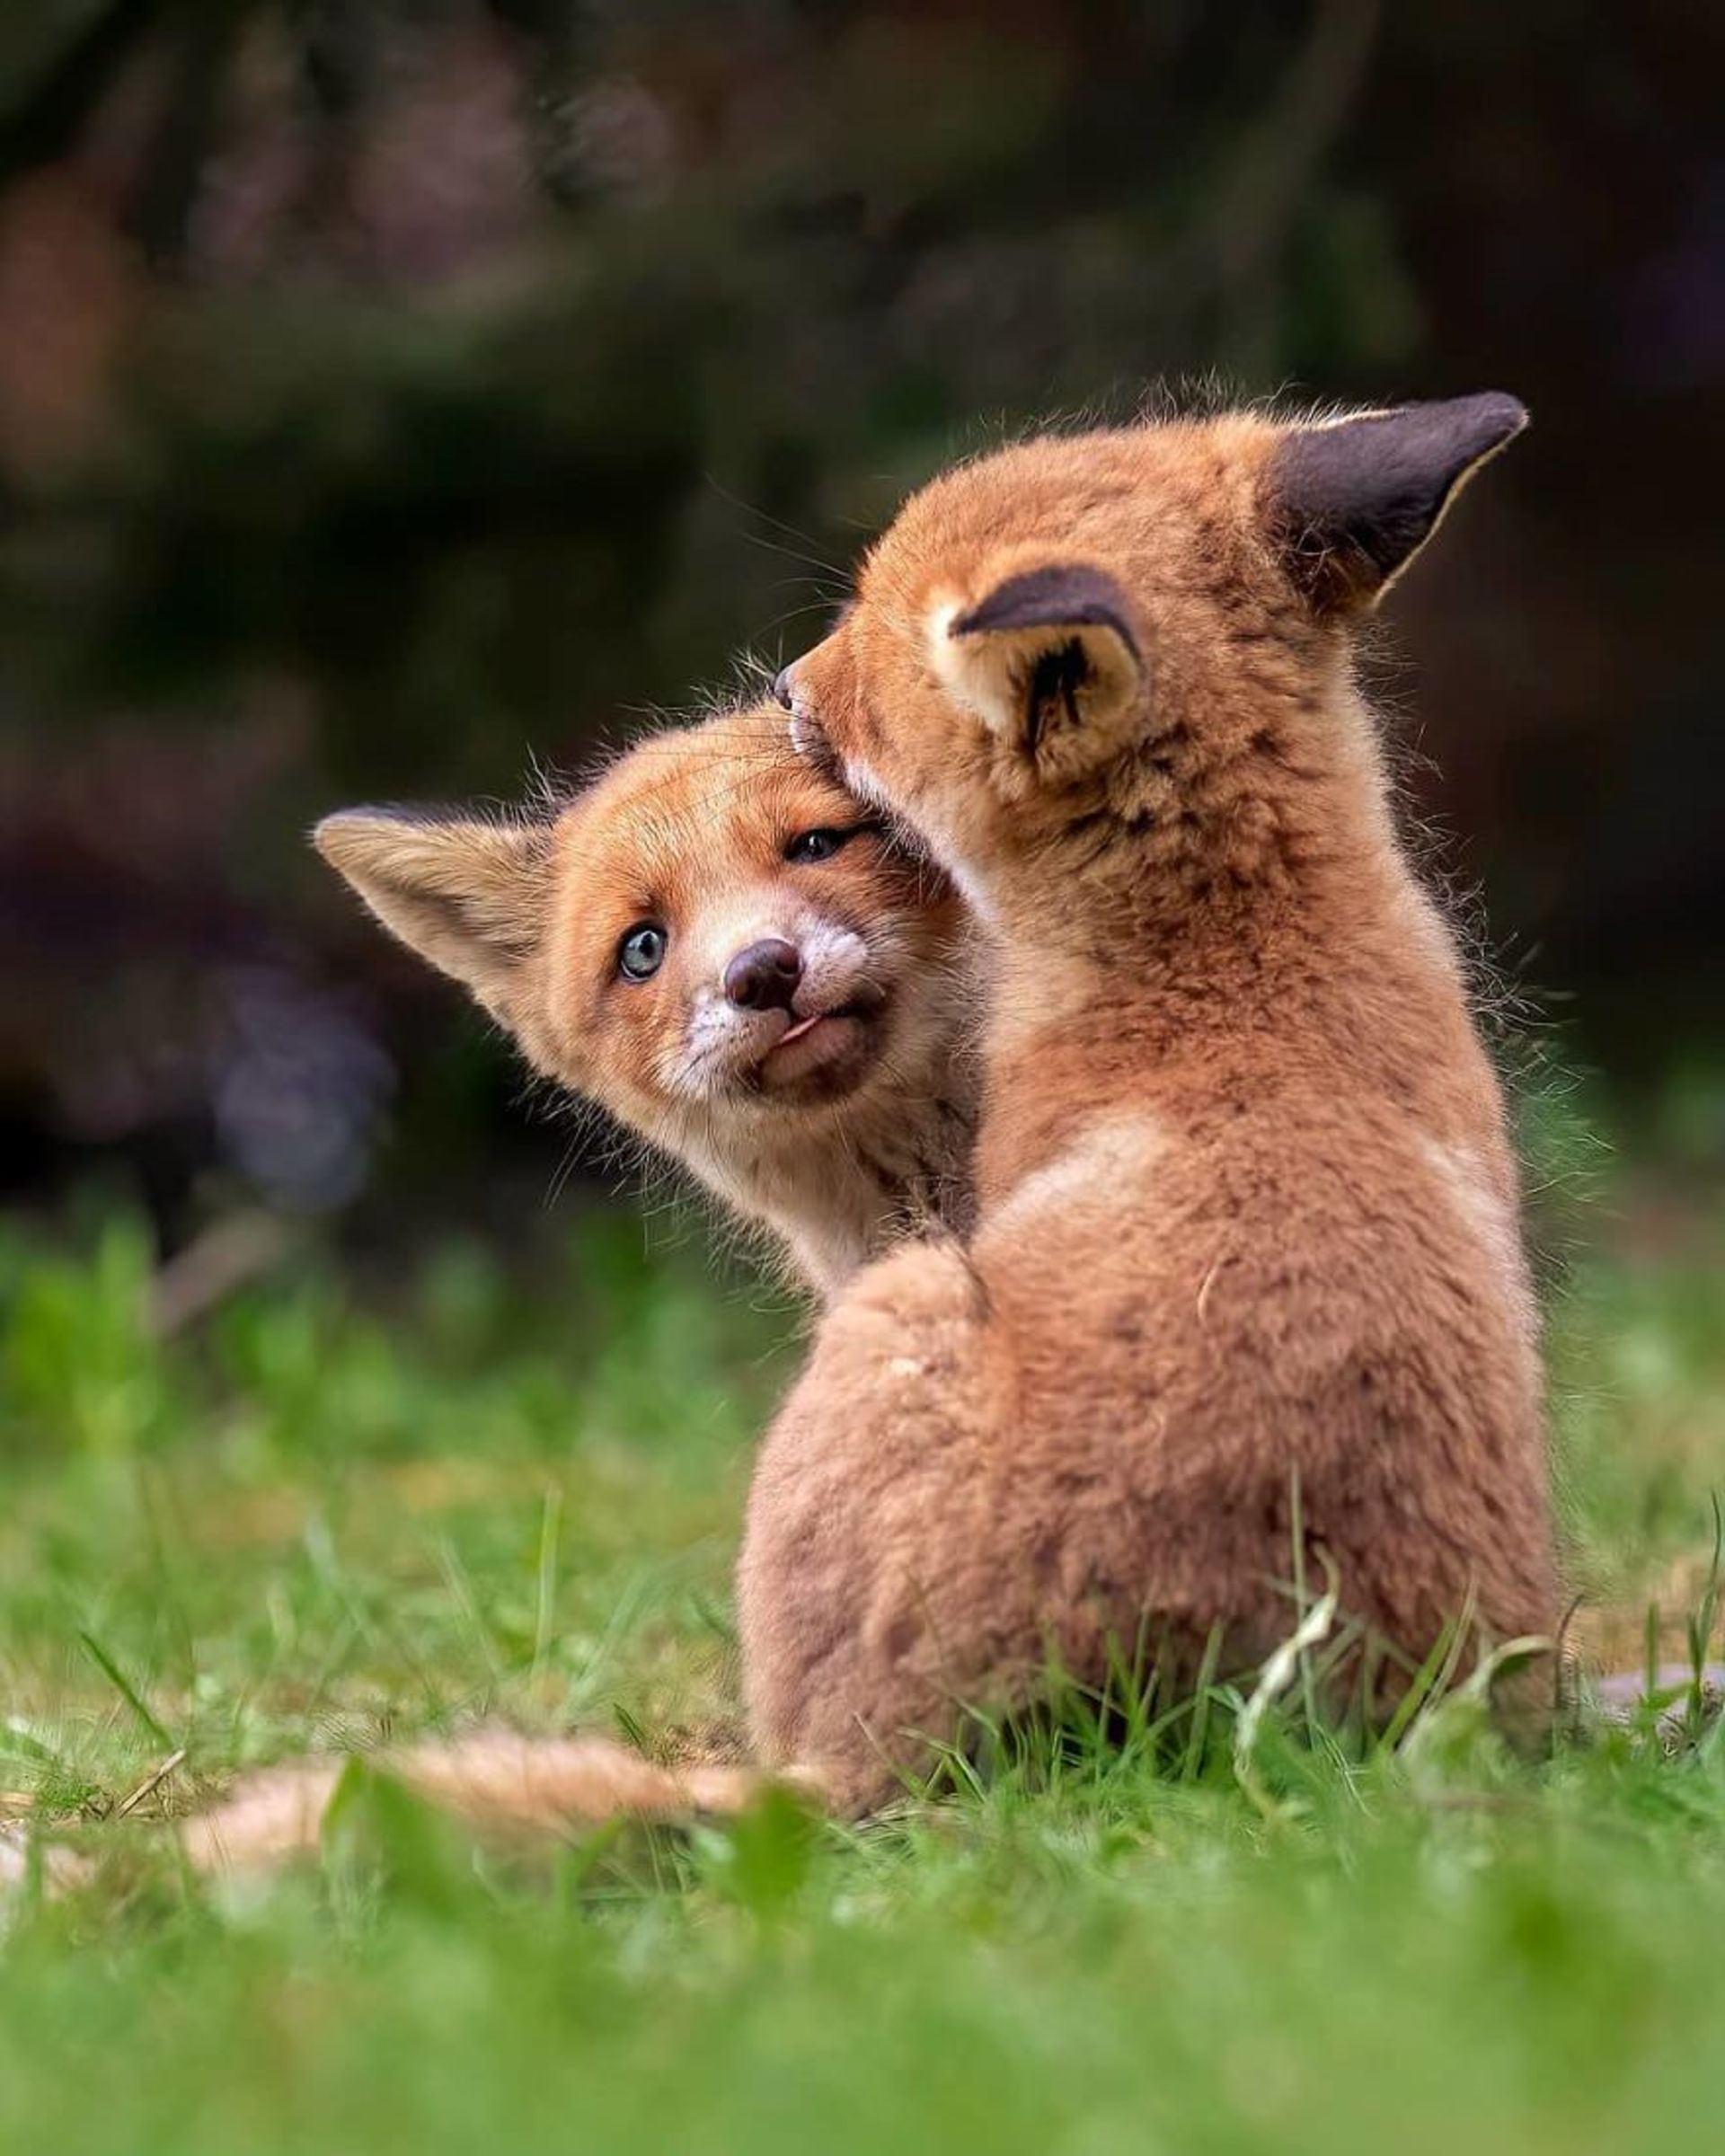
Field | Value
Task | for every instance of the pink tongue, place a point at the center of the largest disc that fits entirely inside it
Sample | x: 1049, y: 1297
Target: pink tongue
x: 802, y: 1026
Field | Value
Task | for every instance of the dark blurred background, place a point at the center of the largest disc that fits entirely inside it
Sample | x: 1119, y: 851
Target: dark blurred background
x: 393, y: 394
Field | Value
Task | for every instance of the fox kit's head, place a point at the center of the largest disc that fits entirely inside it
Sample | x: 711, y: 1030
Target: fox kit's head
x: 1133, y: 636
x: 714, y: 941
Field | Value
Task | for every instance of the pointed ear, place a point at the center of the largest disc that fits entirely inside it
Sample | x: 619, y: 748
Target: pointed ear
x: 1350, y: 502
x: 469, y: 897
x: 1049, y: 661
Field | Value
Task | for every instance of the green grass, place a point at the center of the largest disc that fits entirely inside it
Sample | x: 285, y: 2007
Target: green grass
x: 312, y: 1522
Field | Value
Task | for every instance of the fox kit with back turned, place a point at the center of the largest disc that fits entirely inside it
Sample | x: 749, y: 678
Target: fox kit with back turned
x: 1247, y: 1255
x: 717, y: 945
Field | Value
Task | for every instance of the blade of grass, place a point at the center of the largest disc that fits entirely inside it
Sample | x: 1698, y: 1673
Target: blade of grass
x: 1192, y: 1763
x: 551, y: 1528
x: 1278, y: 1673
x: 123, y: 1685
x: 1296, y: 1529
x: 1432, y: 1677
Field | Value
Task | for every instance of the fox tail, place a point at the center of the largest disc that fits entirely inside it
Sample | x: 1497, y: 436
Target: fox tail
x: 498, y: 1782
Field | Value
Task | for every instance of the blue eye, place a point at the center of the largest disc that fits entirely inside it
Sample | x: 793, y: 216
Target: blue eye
x: 816, y: 845
x: 641, y: 952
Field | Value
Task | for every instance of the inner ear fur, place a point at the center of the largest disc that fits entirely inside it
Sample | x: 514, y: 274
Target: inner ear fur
x: 1351, y: 501
x: 1049, y: 660
x: 469, y: 896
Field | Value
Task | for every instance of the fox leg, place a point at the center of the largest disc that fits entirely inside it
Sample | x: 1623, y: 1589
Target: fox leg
x: 878, y: 1594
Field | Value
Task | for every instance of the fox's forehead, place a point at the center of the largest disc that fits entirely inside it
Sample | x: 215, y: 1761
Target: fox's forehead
x: 685, y: 813
x: 1082, y: 489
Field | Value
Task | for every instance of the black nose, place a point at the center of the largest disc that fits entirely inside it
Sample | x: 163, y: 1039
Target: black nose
x: 782, y: 687
x: 763, y: 976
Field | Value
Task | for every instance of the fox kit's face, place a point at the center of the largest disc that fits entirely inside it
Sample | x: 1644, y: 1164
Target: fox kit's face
x: 731, y: 931
x: 1119, y: 642
x: 715, y: 940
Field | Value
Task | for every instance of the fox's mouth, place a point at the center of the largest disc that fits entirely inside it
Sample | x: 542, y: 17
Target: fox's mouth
x: 827, y: 1052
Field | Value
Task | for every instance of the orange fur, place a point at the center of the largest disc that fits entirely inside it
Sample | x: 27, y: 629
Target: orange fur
x: 495, y: 1780
x: 498, y: 1782
x: 1247, y: 1234
x: 837, y: 1143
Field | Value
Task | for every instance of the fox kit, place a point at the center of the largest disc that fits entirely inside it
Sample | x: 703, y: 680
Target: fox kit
x: 717, y: 945
x: 1247, y: 1297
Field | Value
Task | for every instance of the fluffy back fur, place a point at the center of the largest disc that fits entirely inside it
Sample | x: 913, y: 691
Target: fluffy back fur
x: 1246, y: 1300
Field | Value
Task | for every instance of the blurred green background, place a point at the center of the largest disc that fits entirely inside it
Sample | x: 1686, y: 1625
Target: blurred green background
x: 393, y: 397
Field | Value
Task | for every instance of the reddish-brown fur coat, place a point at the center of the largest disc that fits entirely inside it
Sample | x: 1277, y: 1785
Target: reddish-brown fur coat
x: 1248, y: 1213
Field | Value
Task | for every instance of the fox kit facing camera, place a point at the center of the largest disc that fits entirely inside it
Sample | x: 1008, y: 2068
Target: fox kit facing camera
x: 717, y: 945
x: 1245, y: 1298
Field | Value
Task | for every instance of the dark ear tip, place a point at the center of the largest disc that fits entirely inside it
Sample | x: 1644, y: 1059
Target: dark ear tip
x: 1491, y: 419
x: 1061, y: 596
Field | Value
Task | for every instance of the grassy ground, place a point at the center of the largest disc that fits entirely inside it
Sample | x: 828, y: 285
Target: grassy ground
x: 302, y: 1525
